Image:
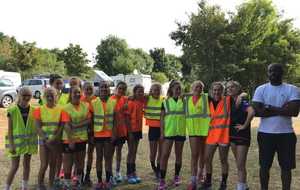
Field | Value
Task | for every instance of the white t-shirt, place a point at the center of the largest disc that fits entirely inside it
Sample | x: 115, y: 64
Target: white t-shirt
x: 276, y: 96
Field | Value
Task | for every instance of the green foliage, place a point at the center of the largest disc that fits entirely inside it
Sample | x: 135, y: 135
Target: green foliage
x: 159, y: 77
x: 169, y: 64
x: 76, y: 61
x: 237, y: 46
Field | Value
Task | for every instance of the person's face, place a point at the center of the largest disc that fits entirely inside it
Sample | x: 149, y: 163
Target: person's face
x: 121, y: 90
x: 176, y: 90
x: 232, y: 89
x: 217, y: 92
x: 197, y: 89
x: 275, y: 73
x: 51, y: 97
x: 25, y: 97
x: 139, y: 93
x: 88, y: 91
x: 74, y: 82
x: 58, y: 84
x: 76, y: 94
x: 103, y: 90
x: 155, y: 91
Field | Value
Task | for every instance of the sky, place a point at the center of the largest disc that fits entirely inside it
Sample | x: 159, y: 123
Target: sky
x: 142, y: 23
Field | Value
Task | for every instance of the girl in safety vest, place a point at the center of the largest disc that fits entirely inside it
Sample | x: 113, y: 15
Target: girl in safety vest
x: 102, y: 125
x: 152, y: 115
x: 47, y: 119
x: 88, y: 97
x: 218, y: 135
x: 197, y: 124
x: 241, y: 115
x: 21, y: 138
x: 135, y: 127
x: 173, y: 131
x: 77, y: 119
x: 120, y: 128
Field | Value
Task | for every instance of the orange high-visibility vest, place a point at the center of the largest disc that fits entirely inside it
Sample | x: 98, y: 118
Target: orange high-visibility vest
x: 220, y: 122
x: 120, y: 115
x: 135, y: 109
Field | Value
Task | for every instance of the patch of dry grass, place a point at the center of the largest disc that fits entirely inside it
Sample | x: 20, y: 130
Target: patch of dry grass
x: 145, y: 172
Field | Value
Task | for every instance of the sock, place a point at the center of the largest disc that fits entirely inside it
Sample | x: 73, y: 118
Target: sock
x: 224, y: 178
x: 24, y: 184
x: 88, y: 171
x: 128, y: 169
x: 133, y: 168
x: 162, y: 174
x: 108, y: 175
x: 241, y: 186
x: 99, y: 176
x: 208, y: 178
x: 194, y: 179
x: 153, y: 165
x: 7, y: 187
x: 177, y: 169
x: 158, y: 167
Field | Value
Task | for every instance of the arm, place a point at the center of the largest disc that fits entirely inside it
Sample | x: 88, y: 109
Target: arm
x: 69, y: 132
x: 114, y: 129
x: 10, y: 136
x: 290, y: 109
x: 162, y: 124
x: 249, y: 118
x: 40, y: 132
x: 262, y: 111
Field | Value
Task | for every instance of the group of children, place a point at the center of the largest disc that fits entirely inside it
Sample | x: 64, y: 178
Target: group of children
x: 64, y: 123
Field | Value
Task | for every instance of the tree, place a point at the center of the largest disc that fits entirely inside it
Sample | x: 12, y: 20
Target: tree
x: 76, y: 61
x: 220, y: 47
x: 142, y: 61
x: 111, y: 55
x: 168, y: 64
x: 159, y: 77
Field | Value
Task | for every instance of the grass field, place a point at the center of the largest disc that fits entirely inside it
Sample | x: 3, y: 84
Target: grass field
x: 144, y: 169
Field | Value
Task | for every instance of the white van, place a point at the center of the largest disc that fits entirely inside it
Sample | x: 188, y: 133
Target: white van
x: 14, y: 77
x: 37, y: 86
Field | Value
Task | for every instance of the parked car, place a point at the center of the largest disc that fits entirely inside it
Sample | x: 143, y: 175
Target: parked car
x: 8, y: 92
x: 37, y: 86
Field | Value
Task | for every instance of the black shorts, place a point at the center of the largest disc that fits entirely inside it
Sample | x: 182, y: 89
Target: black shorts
x: 154, y: 133
x: 240, y: 141
x: 137, y: 135
x: 102, y: 139
x: 283, y: 144
x: 119, y: 141
x: 176, y: 138
x: 79, y: 147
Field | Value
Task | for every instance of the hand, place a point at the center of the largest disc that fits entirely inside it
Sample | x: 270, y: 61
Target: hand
x: 240, y: 127
x: 12, y: 149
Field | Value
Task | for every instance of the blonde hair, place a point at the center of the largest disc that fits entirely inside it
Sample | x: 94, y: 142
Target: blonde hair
x: 195, y: 83
x: 217, y: 83
x: 23, y: 90
x: 236, y: 84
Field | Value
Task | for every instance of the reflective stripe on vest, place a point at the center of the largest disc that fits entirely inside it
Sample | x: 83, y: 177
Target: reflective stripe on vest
x: 24, y: 135
x: 153, y: 108
x: 77, y: 116
x: 204, y: 112
x: 50, y: 120
x: 174, y: 120
x: 103, y: 118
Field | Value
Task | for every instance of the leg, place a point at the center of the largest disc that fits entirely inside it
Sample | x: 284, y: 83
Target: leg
x: 241, y: 159
x: 108, y: 156
x: 209, y: 156
x: 166, y: 150
x: 99, y: 157
x: 119, y: 157
x: 59, y: 159
x: 153, y: 151
x: 52, y: 164
x: 44, y: 159
x: 195, y: 150
x: 13, y: 170
x: 201, y: 161
x: 89, y: 163
x: 223, y: 154
x: 178, y: 161
x: 67, y: 163
x: 26, y: 167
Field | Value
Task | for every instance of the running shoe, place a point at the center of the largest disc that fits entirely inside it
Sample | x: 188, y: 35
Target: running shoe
x: 192, y: 186
x: 161, y: 185
x: 131, y: 179
x: 99, y: 186
x: 118, y: 177
x: 176, y: 180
